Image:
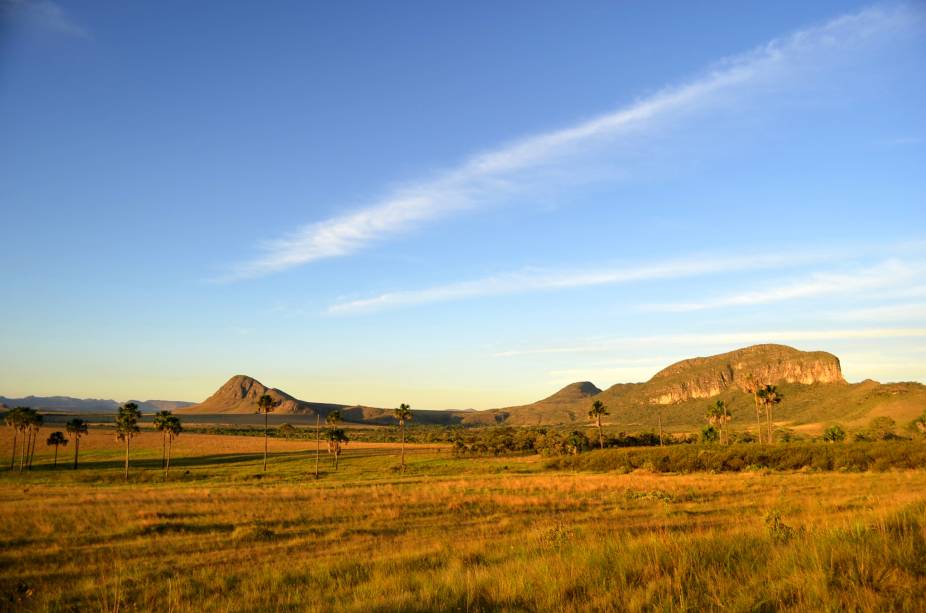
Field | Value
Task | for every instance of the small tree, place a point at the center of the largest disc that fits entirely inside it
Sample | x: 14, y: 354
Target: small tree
x: 770, y: 396
x: 173, y: 428
x: 126, y: 428
x: 336, y: 437
x: 160, y: 424
x: 882, y: 428
x: 597, y: 411
x: 76, y: 428
x: 709, y: 434
x: 56, y: 439
x: 265, y: 405
x: 834, y: 434
x: 920, y: 423
x: 403, y: 414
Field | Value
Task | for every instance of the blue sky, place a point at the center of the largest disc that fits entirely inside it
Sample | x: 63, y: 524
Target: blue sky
x: 454, y: 206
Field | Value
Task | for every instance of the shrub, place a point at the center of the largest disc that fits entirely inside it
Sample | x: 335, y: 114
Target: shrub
x: 881, y: 455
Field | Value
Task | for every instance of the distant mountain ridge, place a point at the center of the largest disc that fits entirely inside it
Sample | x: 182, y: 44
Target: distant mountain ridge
x: 811, y: 381
x: 68, y: 404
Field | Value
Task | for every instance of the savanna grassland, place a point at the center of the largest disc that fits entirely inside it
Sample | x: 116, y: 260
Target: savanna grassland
x: 469, y: 534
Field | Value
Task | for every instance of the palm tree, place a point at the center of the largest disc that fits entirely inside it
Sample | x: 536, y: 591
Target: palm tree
x: 160, y: 424
x: 403, y: 414
x: 265, y: 405
x: 335, y: 437
x: 76, y: 428
x: 752, y: 386
x: 127, y: 428
x: 595, y: 413
x: 173, y: 428
x: 56, y: 438
x: 770, y: 397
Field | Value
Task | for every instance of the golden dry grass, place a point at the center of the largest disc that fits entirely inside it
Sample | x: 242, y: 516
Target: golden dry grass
x: 475, y: 534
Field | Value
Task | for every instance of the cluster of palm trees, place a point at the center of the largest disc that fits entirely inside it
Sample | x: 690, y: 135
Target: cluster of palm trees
x: 170, y: 428
x: 765, y: 397
x: 27, y: 422
x: 335, y: 437
x: 718, y: 416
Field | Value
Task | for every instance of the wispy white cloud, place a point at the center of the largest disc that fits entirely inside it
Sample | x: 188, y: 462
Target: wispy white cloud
x: 717, y: 339
x: 887, y: 312
x: 44, y: 14
x: 892, y: 273
x: 534, y: 280
x: 496, y: 173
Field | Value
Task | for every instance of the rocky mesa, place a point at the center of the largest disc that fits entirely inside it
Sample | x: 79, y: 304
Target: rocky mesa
x: 759, y: 364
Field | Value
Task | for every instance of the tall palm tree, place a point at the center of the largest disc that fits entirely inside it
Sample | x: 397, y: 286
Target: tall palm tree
x: 76, y: 428
x: 56, y: 438
x: 403, y: 414
x: 173, y: 428
x: 336, y: 437
x: 160, y: 424
x: 770, y: 396
x: 265, y: 405
x: 127, y: 427
x: 318, y: 441
x: 595, y: 413
x: 752, y: 386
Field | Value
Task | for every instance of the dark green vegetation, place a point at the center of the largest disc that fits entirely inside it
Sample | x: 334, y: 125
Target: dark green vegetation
x: 878, y: 456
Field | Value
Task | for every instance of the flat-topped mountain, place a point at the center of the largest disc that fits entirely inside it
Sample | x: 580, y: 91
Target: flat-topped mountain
x: 762, y: 364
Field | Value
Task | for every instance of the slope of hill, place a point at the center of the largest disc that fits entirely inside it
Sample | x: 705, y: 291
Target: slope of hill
x: 240, y: 394
x: 152, y: 406
x: 558, y: 408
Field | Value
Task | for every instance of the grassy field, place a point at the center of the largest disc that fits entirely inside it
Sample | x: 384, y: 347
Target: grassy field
x: 470, y: 534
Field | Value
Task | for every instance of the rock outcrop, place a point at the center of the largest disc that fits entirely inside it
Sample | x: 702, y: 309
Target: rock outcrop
x: 760, y: 364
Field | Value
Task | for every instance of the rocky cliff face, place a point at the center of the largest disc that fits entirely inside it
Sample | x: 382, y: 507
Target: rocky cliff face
x: 760, y: 364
